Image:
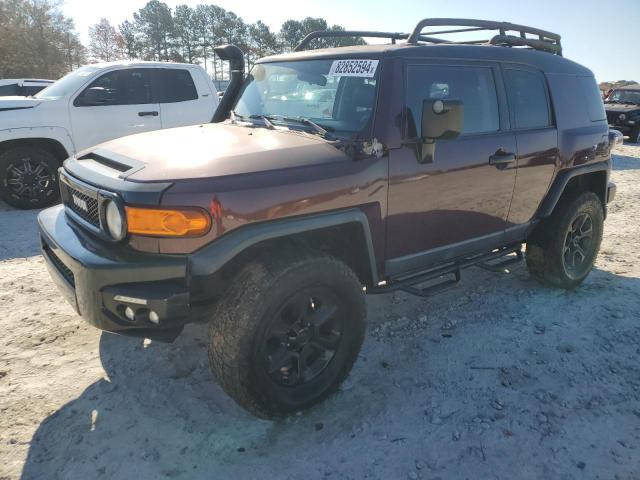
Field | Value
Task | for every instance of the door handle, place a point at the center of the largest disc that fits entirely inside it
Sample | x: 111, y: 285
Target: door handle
x: 501, y: 159
x: 148, y: 114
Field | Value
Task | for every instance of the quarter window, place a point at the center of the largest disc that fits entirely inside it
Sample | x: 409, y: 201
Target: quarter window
x: 528, y: 99
x: 9, y: 90
x: 593, y: 99
x: 473, y: 85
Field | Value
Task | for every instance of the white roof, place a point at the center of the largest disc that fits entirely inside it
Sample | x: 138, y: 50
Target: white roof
x: 139, y: 63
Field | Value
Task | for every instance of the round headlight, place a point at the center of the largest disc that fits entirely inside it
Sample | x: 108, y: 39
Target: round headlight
x: 622, y: 117
x: 115, y: 222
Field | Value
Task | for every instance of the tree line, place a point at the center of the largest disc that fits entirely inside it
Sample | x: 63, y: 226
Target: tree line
x: 186, y: 34
x: 37, y: 40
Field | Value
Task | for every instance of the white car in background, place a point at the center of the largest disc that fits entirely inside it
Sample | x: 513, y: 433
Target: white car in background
x: 89, y: 106
x: 22, y: 87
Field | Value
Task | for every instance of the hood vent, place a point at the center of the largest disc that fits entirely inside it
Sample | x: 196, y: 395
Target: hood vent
x: 107, y: 162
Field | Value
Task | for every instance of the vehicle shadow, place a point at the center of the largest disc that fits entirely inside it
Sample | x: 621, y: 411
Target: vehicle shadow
x: 159, y: 412
x: 625, y: 162
x: 157, y: 402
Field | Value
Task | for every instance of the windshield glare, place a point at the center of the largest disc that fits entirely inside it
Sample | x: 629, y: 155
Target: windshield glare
x: 341, y: 103
x: 625, y: 96
x: 67, y: 84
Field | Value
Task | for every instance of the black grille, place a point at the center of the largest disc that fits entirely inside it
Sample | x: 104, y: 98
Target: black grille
x: 612, y: 117
x: 77, y: 200
x: 62, y: 268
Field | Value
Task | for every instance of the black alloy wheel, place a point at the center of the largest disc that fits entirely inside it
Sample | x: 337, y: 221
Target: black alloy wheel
x: 304, y: 337
x: 562, y: 249
x: 287, y: 330
x: 578, y: 245
x: 28, y: 177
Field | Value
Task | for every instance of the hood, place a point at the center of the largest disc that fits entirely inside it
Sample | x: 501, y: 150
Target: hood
x: 212, y: 150
x: 18, y: 103
x: 620, y: 107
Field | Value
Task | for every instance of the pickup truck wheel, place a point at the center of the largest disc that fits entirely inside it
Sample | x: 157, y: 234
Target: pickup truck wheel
x: 287, y: 332
x: 563, y: 248
x: 28, y: 177
x: 634, y: 136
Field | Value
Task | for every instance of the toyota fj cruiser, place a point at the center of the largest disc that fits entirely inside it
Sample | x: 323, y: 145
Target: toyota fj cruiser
x: 623, y: 111
x: 328, y: 174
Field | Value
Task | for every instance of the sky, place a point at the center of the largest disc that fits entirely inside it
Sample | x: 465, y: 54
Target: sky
x: 605, y: 39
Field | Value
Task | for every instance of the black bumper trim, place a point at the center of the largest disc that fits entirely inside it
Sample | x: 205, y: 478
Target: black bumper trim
x: 100, y: 271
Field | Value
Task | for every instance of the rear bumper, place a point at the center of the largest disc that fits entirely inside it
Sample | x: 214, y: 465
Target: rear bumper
x: 100, y: 283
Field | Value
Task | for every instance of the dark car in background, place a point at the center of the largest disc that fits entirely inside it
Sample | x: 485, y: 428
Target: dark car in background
x: 623, y: 111
x: 22, y: 87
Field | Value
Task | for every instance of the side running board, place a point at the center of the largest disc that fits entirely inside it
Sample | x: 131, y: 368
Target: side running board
x: 449, y: 274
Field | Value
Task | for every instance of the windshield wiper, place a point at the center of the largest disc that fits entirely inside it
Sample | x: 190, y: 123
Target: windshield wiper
x: 268, y: 120
x: 233, y: 116
x: 267, y: 123
x: 265, y: 120
x: 322, y: 131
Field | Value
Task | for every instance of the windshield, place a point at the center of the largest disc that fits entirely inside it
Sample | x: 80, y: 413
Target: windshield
x: 67, y: 84
x: 625, y: 96
x: 337, y: 95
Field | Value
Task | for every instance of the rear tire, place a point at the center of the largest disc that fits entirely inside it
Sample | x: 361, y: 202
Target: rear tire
x: 29, y: 177
x: 287, y: 332
x: 634, y: 136
x: 563, y: 248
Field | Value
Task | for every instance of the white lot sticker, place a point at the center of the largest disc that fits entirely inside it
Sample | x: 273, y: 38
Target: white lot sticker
x: 354, y: 68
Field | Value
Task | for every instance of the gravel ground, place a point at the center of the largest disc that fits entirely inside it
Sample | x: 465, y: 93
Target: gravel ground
x: 498, y: 378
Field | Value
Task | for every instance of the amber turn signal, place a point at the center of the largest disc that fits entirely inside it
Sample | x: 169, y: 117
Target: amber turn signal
x: 167, y: 223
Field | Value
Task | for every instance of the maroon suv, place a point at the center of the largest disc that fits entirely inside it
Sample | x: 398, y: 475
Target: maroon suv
x: 328, y: 174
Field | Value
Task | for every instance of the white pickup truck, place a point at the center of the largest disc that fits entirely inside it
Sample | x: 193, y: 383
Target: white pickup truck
x: 88, y: 106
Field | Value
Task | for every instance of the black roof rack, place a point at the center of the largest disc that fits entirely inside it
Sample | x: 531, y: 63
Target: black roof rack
x: 393, y: 36
x: 546, y: 41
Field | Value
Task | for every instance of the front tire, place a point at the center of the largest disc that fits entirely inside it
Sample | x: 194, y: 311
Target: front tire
x: 29, y: 177
x: 563, y: 248
x: 287, y: 332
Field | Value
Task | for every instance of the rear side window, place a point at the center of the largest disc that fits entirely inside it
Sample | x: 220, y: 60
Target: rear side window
x: 9, y: 90
x: 175, y: 85
x: 473, y: 85
x: 528, y: 99
x: 28, y: 90
x: 592, y: 98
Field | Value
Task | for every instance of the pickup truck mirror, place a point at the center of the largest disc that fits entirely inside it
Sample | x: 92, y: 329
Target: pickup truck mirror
x: 96, y: 96
x: 441, y: 120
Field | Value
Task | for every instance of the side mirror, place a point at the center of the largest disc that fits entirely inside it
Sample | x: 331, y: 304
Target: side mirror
x: 441, y: 120
x: 96, y: 96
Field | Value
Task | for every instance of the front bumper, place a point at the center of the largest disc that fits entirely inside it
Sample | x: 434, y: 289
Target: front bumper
x: 100, y: 282
x: 625, y: 129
